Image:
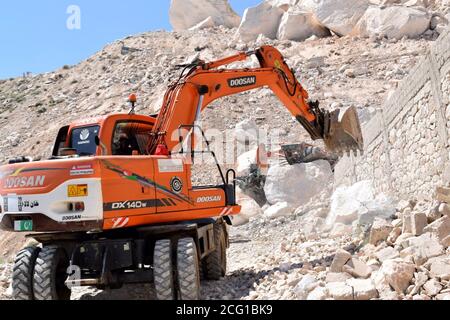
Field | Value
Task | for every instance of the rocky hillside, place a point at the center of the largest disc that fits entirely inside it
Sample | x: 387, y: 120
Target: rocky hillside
x: 352, y: 245
x: 337, y: 71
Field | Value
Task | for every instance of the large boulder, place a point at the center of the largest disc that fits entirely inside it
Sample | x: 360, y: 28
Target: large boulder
x: 440, y: 266
x: 262, y: 19
x: 283, y: 4
x: 423, y: 247
x: 380, y: 231
x: 443, y: 194
x: 386, y: 254
x: 363, y: 289
x: 297, y: 184
x: 398, y: 274
x: 359, y: 202
x: 207, y: 23
x: 393, y: 22
x: 339, y: 291
x: 185, y: 14
x: 418, y: 222
x: 338, y: 16
x: 357, y: 268
x: 307, y: 284
x: 299, y: 25
x: 250, y: 209
x: 440, y: 228
x: 279, y: 209
x: 319, y: 293
x: 340, y: 259
x: 248, y: 160
x: 246, y: 134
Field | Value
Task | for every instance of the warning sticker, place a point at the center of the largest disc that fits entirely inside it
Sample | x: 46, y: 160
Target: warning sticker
x: 82, y: 170
x: 80, y: 190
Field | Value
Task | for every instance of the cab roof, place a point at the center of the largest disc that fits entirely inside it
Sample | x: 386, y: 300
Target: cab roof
x: 100, y: 120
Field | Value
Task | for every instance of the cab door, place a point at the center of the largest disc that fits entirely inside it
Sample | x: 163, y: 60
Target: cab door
x: 172, y: 185
x: 128, y: 188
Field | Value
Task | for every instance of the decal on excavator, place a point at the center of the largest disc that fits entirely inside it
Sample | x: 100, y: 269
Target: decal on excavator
x: 24, y: 182
x: 82, y: 170
x: 278, y: 65
x: 138, y: 204
x: 74, y: 191
x: 146, y: 182
x: 72, y: 218
x: 120, y: 222
x: 84, y: 135
x: 176, y: 184
x: 209, y: 199
x: 242, y: 82
x: 14, y: 179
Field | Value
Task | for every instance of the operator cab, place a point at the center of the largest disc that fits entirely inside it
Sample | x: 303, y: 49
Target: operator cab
x: 116, y: 135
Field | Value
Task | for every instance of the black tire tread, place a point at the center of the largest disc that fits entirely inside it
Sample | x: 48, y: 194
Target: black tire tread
x: 44, y: 284
x: 163, y: 271
x: 213, y: 266
x: 22, y: 277
x: 188, y: 269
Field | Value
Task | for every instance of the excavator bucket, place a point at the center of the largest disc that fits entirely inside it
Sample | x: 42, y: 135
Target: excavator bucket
x: 344, y: 132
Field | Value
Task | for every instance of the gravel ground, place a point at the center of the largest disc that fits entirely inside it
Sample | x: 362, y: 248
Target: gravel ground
x: 263, y: 257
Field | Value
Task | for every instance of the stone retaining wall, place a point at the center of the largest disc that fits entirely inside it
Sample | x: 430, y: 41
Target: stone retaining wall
x: 407, y: 142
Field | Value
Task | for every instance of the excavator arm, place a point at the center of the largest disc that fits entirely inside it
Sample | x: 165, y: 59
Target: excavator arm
x: 201, y: 83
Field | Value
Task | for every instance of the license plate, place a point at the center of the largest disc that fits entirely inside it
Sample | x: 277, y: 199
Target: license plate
x: 23, y: 225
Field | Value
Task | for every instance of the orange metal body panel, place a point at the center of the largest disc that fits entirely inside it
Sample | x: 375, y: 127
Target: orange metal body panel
x: 151, y: 194
x: 41, y: 177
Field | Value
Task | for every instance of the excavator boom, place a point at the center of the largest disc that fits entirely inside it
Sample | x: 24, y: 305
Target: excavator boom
x: 201, y: 83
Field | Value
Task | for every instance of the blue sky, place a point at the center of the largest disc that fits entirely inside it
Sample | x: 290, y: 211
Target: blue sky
x: 34, y: 35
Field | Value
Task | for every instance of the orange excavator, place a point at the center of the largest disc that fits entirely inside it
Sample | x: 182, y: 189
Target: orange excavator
x: 115, y: 203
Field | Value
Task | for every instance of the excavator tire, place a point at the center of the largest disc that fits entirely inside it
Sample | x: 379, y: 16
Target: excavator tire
x: 163, y: 271
x: 188, y: 270
x: 50, y: 274
x: 23, y: 269
x: 215, y: 264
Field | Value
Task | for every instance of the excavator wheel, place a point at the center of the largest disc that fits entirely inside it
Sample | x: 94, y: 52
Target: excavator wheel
x: 50, y: 274
x: 215, y: 264
x: 188, y: 270
x: 23, y: 269
x: 163, y: 270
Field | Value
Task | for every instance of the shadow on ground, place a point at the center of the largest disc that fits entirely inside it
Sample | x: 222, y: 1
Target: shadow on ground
x: 235, y: 286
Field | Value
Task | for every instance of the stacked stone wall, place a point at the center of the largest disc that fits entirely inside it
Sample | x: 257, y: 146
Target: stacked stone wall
x: 407, y: 142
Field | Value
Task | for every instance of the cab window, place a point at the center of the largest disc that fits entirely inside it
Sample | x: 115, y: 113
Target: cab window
x: 83, y: 140
x: 61, y: 141
x: 131, y: 138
